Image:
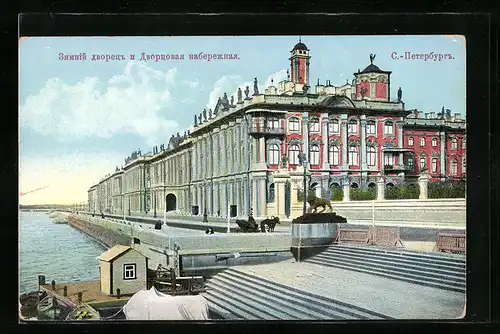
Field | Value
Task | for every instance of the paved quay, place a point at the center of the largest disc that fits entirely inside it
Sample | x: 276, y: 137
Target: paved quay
x: 394, y: 298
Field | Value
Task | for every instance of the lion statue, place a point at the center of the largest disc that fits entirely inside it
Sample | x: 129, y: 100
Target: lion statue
x: 315, y: 203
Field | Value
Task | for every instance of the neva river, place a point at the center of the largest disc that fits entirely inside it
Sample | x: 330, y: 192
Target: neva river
x: 58, y: 251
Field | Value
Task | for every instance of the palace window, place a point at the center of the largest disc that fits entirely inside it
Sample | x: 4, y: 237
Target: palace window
x: 273, y: 154
x: 273, y: 123
x: 434, y: 142
x: 454, y: 167
x: 370, y: 127
x: 422, y: 142
x: 434, y: 163
x: 271, y: 193
x: 293, y: 154
x: 129, y: 271
x: 314, y: 155
x: 463, y: 164
x: 333, y: 155
x: 352, y: 126
x: 294, y: 124
x: 314, y: 125
x: 353, y: 156
x: 388, y: 128
x: 388, y: 159
x: 454, y: 143
x: 423, y: 163
x: 371, y: 155
x: 463, y: 143
x: 410, y: 141
x: 410, y: 163
x: 334, y: 126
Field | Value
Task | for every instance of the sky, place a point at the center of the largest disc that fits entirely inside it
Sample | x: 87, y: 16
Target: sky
x: 79, y: 119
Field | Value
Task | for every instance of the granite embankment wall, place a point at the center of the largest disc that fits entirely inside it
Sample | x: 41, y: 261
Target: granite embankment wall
x: 108, y: 236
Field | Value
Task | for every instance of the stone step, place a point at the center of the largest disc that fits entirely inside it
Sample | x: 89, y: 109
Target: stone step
x: 396, y: 261
x: 425, y: 273
x: 392, y: 275
x: 426, y: 257
x: 329, y: 307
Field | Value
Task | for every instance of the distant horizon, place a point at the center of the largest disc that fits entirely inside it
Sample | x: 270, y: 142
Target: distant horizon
x: 79, y: 119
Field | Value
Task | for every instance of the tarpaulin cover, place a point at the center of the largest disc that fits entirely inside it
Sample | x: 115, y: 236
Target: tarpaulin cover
x: 154, y: 305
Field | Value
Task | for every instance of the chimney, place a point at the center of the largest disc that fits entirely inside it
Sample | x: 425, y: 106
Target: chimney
x: 426, y: 115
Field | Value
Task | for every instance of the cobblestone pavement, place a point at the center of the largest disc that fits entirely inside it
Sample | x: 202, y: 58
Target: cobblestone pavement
x: 394, y: 298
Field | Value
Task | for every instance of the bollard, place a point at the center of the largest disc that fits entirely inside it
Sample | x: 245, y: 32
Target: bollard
x: 41, y: 279
x: 118, y: 293
x: 80, y: 296
x: 65, y: 291
x: 53, y: 283
x: 173, y: 280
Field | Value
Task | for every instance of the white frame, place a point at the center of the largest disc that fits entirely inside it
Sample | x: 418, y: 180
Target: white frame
x: 434, y: 165
x: 350, y: 124
x: 293, y: 159
x: 334, y: 125
x: 132, y: 269
x: 422, y: 141
x: 389, y: 125
x: 334, y: 155
x: 454, y: 143
x: 314, y: 125
x: 353, y: 154
x: 273, y: 154
x: 454, y: 167
x: 371, y: 123
x: 294, y: 121
x: 273, y: 123
x: 434, y: 142
x: 424, y: 165
x: 410, y: 141
x: 371, y: 151
x: 314, y: 155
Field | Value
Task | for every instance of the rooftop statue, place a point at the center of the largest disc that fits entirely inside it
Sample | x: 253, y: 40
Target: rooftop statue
x: 239, y: 95
x: 195, y: 121
x: 205, y: 114
x: 400, y: 94
x: 255, y: 87
x: 247, y: 91
x: 372, y: 58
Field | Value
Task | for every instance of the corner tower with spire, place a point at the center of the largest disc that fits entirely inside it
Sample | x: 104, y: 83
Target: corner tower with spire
x: 299, y: 63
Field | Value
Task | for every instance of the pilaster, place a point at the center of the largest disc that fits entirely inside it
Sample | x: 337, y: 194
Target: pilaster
x: 324, y: 122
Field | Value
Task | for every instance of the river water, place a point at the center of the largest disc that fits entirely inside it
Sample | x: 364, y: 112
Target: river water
x: 58, y: 251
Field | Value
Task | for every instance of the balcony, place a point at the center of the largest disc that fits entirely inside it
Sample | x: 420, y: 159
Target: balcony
x: 397, y: 168
x: 271, y: 131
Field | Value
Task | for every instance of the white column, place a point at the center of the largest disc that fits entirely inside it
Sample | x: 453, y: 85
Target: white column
x: 305, y: 135
x: 223, y: 165
x: 423, y: 181
x: 262, y: 150
x: 362, y: 139
x: 195, y: 162
x: 346, y: 188
x: 238, y: 148
x: 380, y: 189
x: 400, y: 142
x: 324, y: 122
x: 262, y: 197
x: 224, y: 199
x: 215, y: 152
x: 200, y: 189
x: 442, y: 157
x: 344, y: 135
x: 216, y: 198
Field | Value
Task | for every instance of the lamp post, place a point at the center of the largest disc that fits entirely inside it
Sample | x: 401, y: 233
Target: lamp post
x: 303, y: 161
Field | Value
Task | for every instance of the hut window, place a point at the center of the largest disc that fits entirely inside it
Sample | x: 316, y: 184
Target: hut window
x: 129, y: 271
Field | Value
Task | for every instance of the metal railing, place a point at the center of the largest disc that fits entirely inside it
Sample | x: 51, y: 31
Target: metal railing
x: 266, y: 130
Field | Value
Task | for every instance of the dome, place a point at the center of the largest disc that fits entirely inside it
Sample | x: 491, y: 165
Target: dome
x: 372, y: 69
x: 300, y: 46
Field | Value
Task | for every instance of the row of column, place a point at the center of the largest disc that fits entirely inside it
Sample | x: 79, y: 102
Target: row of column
x: 226, y: 140
x: 217, y: 196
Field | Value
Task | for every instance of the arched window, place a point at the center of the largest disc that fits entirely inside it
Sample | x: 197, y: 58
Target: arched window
x: 388, y: 128
x: 423, y: 163
x: 422, y: 141
x: 434, y: 142
x: 389, y: 185
x: 273, y: 154
x: 294, y: 124
x: 354, y: 185
x: 454, y: 143
x: 410, y: 141
x: 293, y: 154
x: 352, y: 126
x: 411, y: 163
x: 372, y: 185
x: 434, y: 165
x: 454, y: 167
x: 371, y: 155
x: 314, y: 125
x: 353, y: 155
x: 314, y: 155
x: 333, y: 156
x: 273, y: 123
x: 271, y: 193
x: 334, y: 126
x: 371, y: 127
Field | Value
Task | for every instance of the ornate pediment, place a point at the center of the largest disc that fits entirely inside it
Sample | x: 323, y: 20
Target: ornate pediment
x: 295, y: 141
x: 315, y: 141
x: 371, y: 143
x: 339, y: 101
x: 353, y: 142
x: 335, y: 142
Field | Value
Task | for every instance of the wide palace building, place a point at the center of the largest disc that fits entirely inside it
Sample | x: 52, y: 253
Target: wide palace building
x: 244, y: 155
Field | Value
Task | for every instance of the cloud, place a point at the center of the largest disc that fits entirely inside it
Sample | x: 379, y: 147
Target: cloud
x: 192, y: 84
x: 68, y: 176
x: 230, y: 83
x: 135, y: 102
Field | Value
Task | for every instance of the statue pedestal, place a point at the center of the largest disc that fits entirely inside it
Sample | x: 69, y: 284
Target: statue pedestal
x: 314, y: 232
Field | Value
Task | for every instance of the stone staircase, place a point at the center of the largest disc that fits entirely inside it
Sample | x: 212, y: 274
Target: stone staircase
x: 441, y: 271
x: 233, y: 294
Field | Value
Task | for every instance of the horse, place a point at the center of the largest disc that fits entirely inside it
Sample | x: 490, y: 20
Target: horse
x: 316, y: 202
x: 271, y: 223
